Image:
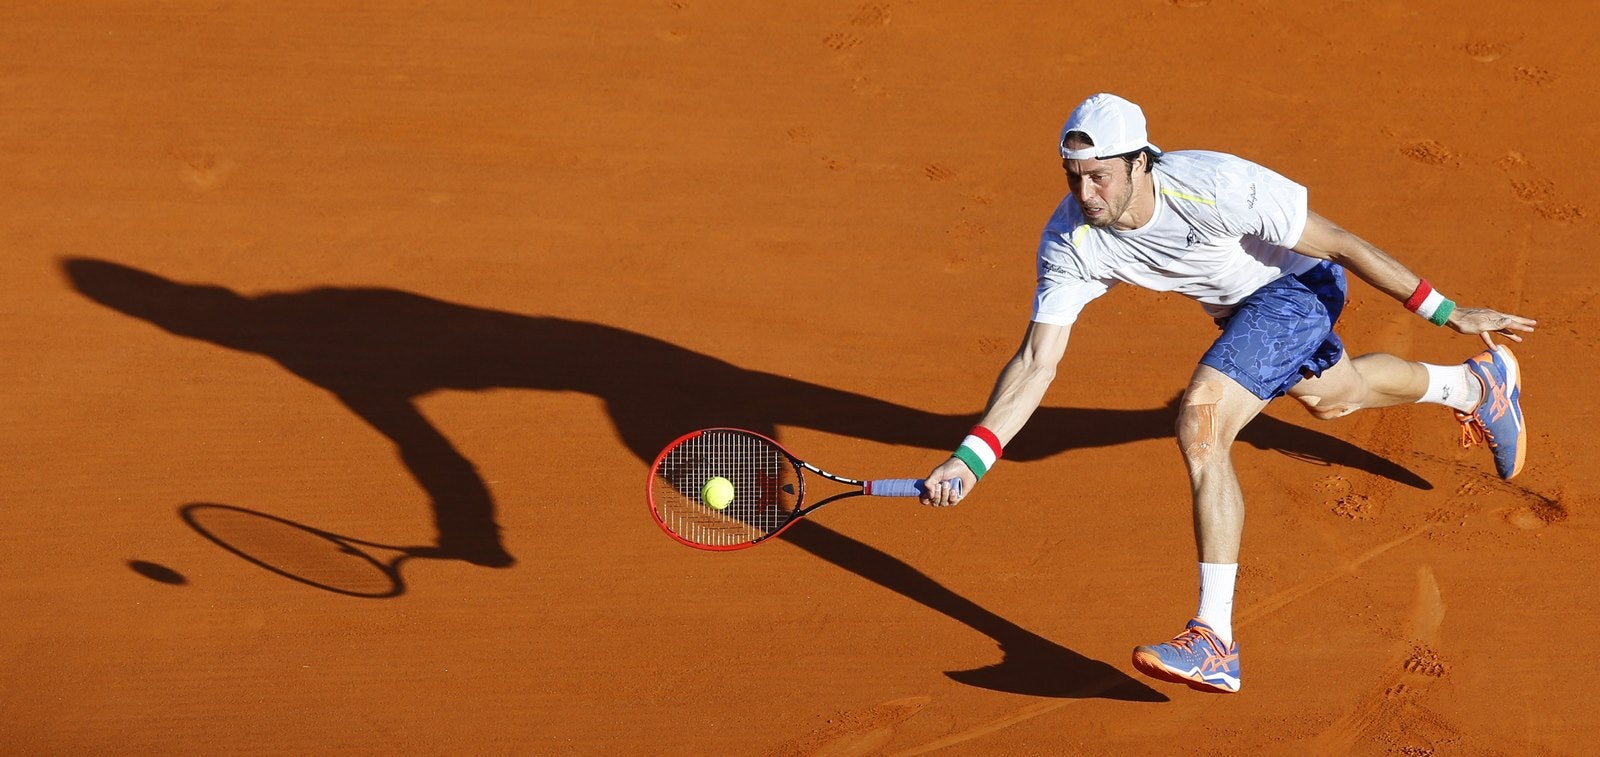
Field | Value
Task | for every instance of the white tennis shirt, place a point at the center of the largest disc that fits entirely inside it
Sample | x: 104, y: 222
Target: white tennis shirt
x: 1222, y: 228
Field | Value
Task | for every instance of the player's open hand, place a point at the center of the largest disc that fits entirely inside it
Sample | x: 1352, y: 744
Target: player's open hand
x: 1485, y: 322
x: 939, y: 489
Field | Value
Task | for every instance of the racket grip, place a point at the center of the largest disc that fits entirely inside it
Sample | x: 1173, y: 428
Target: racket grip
x: 902, y: 487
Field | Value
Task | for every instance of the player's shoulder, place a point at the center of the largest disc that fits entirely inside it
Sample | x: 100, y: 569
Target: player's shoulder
x: 1200, y: 168
x: 1208, y: 177
x: 1062, y: 244
x: 1200, y: 159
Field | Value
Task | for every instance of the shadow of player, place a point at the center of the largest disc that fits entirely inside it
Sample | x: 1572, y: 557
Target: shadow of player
x: 379, y: 350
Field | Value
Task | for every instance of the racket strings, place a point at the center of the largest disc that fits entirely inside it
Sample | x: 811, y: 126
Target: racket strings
x: 766, y: 488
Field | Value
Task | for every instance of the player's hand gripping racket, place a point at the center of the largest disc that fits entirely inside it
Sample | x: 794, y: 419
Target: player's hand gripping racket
x: 769, y: 488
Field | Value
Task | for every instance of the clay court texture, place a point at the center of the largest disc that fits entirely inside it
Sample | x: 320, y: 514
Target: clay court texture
x: 339, y: 338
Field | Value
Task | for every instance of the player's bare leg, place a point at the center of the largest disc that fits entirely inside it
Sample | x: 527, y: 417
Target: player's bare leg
x: 1213, y: 410
x: 1485, y: 392
x: 1375, y: 380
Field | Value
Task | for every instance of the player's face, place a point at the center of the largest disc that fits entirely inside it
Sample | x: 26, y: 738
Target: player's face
x: 1103, y: 188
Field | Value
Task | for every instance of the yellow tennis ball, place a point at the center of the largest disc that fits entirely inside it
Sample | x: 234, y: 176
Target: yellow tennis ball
x: 717, y: 493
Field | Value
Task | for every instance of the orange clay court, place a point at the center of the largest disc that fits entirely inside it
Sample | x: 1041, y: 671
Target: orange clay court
x: 339, y: 339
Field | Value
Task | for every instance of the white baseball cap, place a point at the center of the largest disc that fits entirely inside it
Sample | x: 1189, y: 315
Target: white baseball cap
x: 1114, y: 125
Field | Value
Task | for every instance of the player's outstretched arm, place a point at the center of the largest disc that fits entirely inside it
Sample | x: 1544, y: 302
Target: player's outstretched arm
x: 1017, y: 393
x: 1326, y: 240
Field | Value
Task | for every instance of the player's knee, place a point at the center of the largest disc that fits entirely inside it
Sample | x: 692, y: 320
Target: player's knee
x: 1197, y: 435
x: 1196, y: 431
x: 1326, y: 408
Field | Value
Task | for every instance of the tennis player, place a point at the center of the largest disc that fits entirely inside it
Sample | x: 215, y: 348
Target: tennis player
x: 1241, y: 240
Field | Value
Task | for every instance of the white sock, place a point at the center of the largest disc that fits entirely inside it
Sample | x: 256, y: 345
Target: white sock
x: 1452, y: 386
x: 1216, y: 598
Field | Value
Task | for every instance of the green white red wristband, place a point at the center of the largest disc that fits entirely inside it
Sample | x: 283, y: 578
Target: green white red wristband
x: 1428, y: 303
x: 979, y: 450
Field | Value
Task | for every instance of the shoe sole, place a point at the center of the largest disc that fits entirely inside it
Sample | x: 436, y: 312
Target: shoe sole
x: 1514, y: 389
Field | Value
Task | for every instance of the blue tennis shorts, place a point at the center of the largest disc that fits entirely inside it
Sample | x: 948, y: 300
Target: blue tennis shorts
x: 1282, y: 333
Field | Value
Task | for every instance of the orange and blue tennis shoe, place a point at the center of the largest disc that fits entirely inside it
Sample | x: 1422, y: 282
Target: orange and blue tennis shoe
x: 1196, y: 657
x: 1497, y: 420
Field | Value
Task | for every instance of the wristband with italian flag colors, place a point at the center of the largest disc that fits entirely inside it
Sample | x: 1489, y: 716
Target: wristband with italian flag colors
x: 979, y: 450
x: 1428, y: 303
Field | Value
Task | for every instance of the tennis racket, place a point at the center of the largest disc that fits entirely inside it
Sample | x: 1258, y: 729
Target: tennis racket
x: 769, y: 488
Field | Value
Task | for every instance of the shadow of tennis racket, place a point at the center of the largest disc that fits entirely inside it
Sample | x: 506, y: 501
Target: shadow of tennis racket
x: 301, y: 553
